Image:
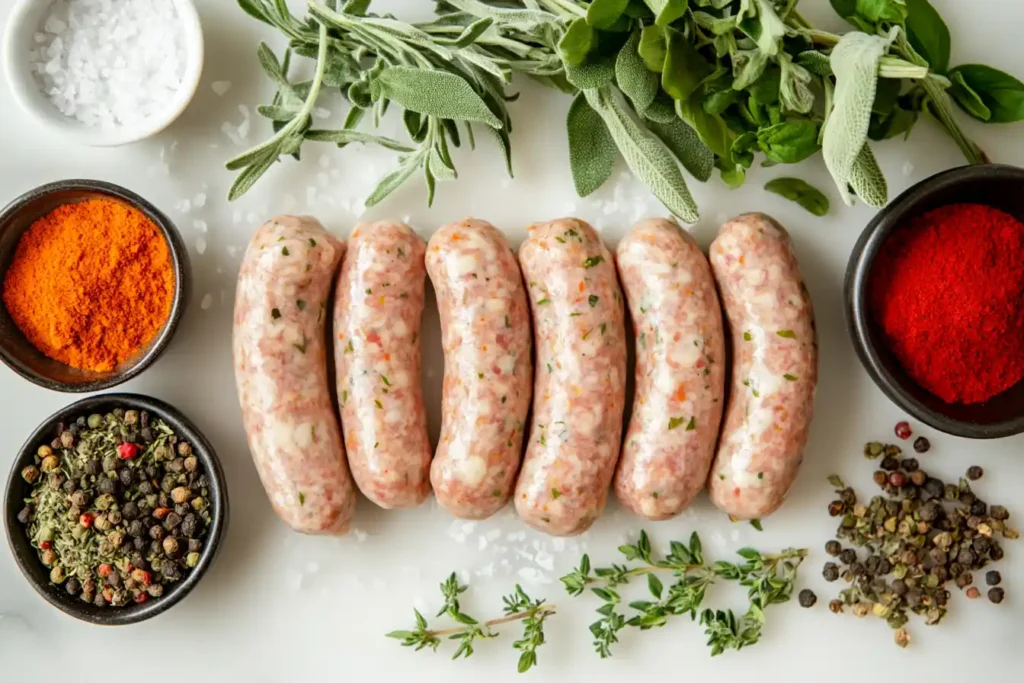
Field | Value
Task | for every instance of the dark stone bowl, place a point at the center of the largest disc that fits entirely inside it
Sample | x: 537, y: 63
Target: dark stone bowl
x: 994, y: 185
x: 25, y: 359
x: 26, y: 555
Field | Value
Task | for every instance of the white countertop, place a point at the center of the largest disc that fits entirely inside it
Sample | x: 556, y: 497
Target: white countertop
x: 277, y: 606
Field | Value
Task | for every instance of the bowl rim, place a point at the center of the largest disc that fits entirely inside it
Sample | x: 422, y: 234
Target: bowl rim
x: 21, y: 82
x: 129, y: 614
x: 179, y: 263
x: 858, y: 270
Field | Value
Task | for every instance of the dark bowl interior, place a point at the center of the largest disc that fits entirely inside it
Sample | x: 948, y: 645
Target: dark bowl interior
x: 998, y: 186
x: 24, y: 358
x: 26, y: 555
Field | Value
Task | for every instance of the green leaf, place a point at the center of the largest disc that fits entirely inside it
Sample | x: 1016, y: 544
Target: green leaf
x: 928, y: 34
x: 633, y: 77
x: 662, y: 109
x: 900, y: 121
x: 603, y: 14
x: 674, y: 422
x: 712, y: 130
x: 999, y: 91
x: 789, y: 142
x: 577, y: 42
x: 595, y: 73
x: 667, y: 11
x: 434, y: 93
x: 855, y: 63
x: 648, y: 157
x: 804, y: 194
x: 592, y: 151
x: 652, y: 48
x: 686, y: 145
x: 886, y: 95
x: 247, y: 178
x: 815, y: 62
x: 867, y: 179
x: 393, y: 181
x: 968, y: 100
x: 767, y: 28
x: 469, y: 35
x: 685, y: 68
x: 717, y: 102
x: 891, y: 11
x: 747, y: 67
x: 794, y: 88
x: 344, y: 137
x: 654, y: 585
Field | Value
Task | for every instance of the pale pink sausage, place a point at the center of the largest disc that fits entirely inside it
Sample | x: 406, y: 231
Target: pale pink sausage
x: 281, y: 371
x: 680, y: 370
x: 378, y: 311
x: 775, y: 367
x: 488, y: 371
x: 579, y: 390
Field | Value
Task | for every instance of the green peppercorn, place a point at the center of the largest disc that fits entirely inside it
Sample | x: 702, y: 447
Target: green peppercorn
x: 998, y: 512
x: 131, y: 417
x: 95, y: 421
x: 193, y: 559
x: 57, y: 574
x: 191, y: 463
x: 49, y: 463
x: 199, y: 504
x: 995, y: 595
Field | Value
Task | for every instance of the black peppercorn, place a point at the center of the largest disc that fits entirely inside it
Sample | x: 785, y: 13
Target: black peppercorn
x: 974, y: 473
x: 182, y: 508
x: 107, y: 485
x: 168, y: 483
x: 139, y: 543
x: 993, y: 578
x: 145, y: 488
x: 833, y: 548
x: 848, y: 495
x: 998, y: 512
x: 890, y: 464
x: 848, y: 556
x: 899, y: 587
x: 156, y: 532
x: 25, y: 515
x: 807, y: 598
x: 830, y: 571
x: 125, y: 476
x: 996, y: 595
x: 937, y: 555
x: 70, y: 486
x: 934, y: 488
x: 981, y: 544
x: 189, y: 523
x: 967, y: 498
x: 172, y: 520
x: 979, y: 508
x: 964, y: 580
x: 130, y: 510
x: 921, y: 444
x: 884, y: 567
x: 909, y: 464
x: 930, y: 511
x: 913, y: 599
x: 114, y: 577
x: 170, y: 571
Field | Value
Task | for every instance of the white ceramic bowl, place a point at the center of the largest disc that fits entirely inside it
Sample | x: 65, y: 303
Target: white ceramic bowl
x: 22, y: 25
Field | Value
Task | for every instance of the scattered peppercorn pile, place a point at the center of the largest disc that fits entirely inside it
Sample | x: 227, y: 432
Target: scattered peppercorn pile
x: 921, y: 535
x: 119, y: 507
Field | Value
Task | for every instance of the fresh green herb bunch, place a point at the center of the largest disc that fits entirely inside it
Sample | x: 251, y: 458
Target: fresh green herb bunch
x: 661, y: 83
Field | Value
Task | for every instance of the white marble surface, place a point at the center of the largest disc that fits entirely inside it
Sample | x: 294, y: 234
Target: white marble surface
x: 280, y: 607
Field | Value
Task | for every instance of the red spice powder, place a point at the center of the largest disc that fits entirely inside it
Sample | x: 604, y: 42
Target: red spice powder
x: 948, y: 292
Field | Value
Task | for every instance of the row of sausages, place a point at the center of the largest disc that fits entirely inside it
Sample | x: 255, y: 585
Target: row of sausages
x: 551, y: 328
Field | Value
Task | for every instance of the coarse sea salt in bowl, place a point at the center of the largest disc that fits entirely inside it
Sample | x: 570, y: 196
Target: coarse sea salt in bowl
x: 103, y: 72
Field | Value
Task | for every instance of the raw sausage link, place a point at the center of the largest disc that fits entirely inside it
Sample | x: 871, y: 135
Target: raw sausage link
x: 485, y: 328
x: 775, y: 367
x: 680, y: 370
x: 281, y: 372
x: 579, y: 392
x: 378, y: 312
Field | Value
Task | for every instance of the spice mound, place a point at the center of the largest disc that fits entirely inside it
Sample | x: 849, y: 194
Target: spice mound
x: 119, y: 508
x: 91, y: 284
x: 948, y: 293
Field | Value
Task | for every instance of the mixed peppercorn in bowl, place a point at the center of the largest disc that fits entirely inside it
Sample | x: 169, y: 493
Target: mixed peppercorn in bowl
x: 115, y: 508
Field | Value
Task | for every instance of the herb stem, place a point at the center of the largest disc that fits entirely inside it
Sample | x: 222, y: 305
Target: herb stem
x: 562, y: 7
x: 543, y: 610
x: 822, y: 37
x: 940, y: 109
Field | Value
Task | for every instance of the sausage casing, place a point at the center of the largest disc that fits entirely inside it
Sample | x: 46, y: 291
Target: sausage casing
x: 378, y: 313
x: 579, y: 389
x: 680, y: 370
x: 775, y: 367
x: 488, y: 370
x: 281, y: 372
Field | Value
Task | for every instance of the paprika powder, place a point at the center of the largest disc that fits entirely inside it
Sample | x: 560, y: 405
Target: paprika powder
x: 947, y: 291
x: 91, y: 283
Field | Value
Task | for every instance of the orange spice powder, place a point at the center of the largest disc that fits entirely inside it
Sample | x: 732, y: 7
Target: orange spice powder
x: 91, y: 284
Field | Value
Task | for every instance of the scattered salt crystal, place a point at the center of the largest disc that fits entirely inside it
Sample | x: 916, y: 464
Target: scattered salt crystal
x: 336, y: 174
x: 511, y: 536
x: 321, y: 113
x: 200, y: 245
x: 493, y: 534
x: 200, y: 225
x: 325, y: 160
x: 360, y: 535
x: 312, y: 567
x: 221, y: 87
x: 545, y: 560
x: 533, y: 575
x: 486, y: 571
x: 236, y: 216
x: 207, y: 302
x: 290, y: 202
x: 110, y: 64
x: 252, y: 218
x: 199, y: 201
x: 908, y: 168
x: 293, y: 581
x: 231, y: 132
x: 233, y: 250
x: 558, y: 544
x: 481, y: 542
x: 322, y: 179
x: 310, y: 195
x: 183, y: 205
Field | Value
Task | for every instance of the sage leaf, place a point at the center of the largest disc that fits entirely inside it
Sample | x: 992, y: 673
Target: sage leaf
x: 278, y: 112
x: 867, y: 179
x: 968, y: 100
x: 887, y: 93
x: 440, y: 166
x: 742, y: 150
x: 592, y: 151
x: 469, y: 35
x: 577, y: 42
x: 603, y: 14
x: 687, y: 147
x: 717, y: 102
x: 667, y: 11
x: 711, y: 129
x: 434, y: 93
x: 899, y: 122
x: 928, y: 34
x: 344, y: 137
x: 718, y: 26
x: 685, y: 68
x: 633, y: 77
x: 789, y: 142
x: 593, y: 74
x: 801, y: 192
x: 652, y: 48
x: 356, y: 7
x: 815, y: 62
x: 855, y: 63
x: 794, y: 87
x: 661, y: 110
x: 392, y: 181
x: 248, y: 177
x: 767, y: 28
x: 1000, y: 92
x: 645, y: 154
x: 526, y: 20
x: 891, y: 11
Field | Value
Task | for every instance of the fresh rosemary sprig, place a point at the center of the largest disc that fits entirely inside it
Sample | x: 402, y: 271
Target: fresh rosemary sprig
x: 769, y: 579
x: 518, y: 606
